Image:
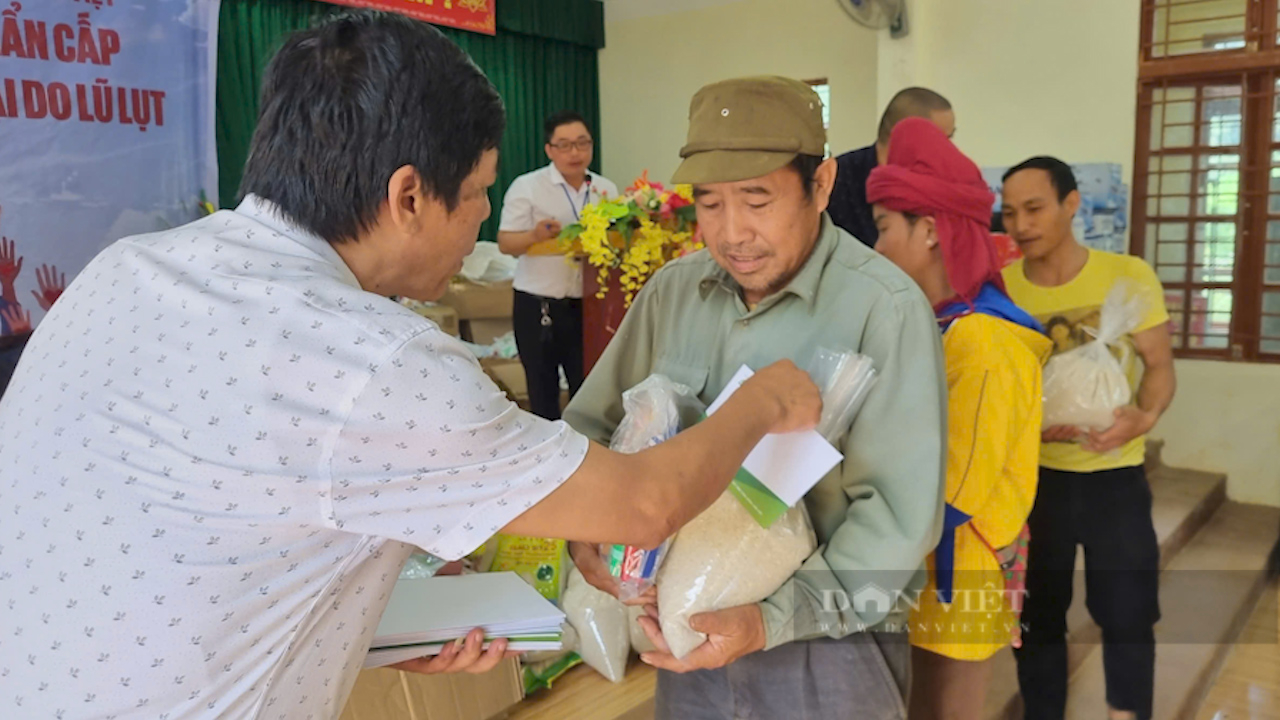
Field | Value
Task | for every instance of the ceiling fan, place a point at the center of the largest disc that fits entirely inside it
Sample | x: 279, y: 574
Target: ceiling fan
x: 879, y: 14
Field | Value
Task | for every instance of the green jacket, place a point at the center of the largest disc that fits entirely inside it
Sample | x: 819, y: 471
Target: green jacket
x: 879, y: 513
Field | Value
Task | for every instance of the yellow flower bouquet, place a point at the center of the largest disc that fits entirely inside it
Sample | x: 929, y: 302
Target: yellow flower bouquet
x: 634, y: 234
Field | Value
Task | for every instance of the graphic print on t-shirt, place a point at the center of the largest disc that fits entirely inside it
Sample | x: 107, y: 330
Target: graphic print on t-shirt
x: 1070, y: 329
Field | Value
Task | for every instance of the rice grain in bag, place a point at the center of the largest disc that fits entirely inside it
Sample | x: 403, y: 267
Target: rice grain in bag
x: 724, y: 558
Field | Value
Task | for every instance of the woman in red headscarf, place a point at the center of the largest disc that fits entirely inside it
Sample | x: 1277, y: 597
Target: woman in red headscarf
x: 933, y: 210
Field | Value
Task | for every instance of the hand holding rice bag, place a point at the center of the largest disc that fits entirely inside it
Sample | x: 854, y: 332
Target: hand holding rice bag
x: 724, y: 558
x: 1083, y: 387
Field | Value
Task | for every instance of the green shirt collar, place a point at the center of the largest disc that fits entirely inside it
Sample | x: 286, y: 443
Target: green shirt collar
x: 804, y: 285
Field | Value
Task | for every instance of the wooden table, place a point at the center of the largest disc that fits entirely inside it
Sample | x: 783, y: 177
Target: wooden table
x: 583, y: 694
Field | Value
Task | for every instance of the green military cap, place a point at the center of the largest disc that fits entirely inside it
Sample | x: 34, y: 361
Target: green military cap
x: 748, y: 127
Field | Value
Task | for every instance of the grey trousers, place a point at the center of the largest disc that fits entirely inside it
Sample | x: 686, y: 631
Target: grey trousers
x: 861, y: 677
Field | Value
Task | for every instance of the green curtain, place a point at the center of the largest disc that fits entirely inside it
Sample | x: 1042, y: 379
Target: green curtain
x: 543, y: 59
x: 574, y: 21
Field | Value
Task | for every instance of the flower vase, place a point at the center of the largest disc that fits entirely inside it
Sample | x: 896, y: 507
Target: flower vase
x: 601, y: 316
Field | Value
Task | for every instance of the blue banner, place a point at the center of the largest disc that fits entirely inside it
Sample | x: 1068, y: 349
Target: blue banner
x: 106, y: 130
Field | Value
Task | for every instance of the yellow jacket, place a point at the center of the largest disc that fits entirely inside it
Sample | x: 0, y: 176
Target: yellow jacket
x: 993, y: 449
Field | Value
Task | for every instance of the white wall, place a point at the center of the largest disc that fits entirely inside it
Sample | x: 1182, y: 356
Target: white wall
x: 1226, y: 417
x: 652, y: 65
x: 1027, y: 77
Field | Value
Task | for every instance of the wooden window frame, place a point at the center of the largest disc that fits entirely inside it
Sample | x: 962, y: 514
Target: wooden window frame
x: 826, y: 122
x: 1256, y: 68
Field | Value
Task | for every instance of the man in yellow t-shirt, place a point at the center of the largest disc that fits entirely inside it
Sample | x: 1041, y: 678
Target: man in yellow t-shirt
x: 1093, y: 490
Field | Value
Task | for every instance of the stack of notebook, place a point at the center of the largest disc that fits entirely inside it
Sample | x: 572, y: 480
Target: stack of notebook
x: 425, y: 615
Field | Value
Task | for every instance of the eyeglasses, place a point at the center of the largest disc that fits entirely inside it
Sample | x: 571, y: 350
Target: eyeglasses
x: 567, y: 145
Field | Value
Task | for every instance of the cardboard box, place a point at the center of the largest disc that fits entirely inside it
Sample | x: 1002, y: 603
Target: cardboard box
x: 509, y: 376
x: 386, y: 694
x: 484, y: 332
x: 442, y: 315
x: 474, y: 301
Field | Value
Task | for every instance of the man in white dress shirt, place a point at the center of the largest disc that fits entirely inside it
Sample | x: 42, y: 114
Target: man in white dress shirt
x: 547, y: 310
x: 224, y: 440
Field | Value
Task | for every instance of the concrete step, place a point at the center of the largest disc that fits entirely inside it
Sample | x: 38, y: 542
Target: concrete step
x: 1207, y: 592
x: 1155, y: 454
x: 1248, y: 686
x: 1182, y: 502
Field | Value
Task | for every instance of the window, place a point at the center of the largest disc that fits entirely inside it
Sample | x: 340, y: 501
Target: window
x: 1183, y: 27
x: 1207, y: 172
x: 823, y: 88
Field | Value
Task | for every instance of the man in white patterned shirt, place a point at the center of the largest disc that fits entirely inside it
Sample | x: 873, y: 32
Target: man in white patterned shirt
x: 224, y: 440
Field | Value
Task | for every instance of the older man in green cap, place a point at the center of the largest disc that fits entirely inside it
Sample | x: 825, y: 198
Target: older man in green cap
x: 779, y: 280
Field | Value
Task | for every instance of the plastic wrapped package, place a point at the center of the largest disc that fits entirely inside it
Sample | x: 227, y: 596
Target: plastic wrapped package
x: 503, y: 347
x: 421, y: 565
x: 568, y: 646
x: 635, y: 568
x: 1084, y: 386
x: 539, y: 561
x: 845, y: 379
x: 653, y: 410
x: 425, y: 565
x: 542, y: 669
x: 723, y: 558
x: 600, y: 622
x: 640, y: 642
x: 487, y: 264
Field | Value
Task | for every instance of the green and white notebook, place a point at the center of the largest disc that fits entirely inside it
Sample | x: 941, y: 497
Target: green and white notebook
x: 425, y: 615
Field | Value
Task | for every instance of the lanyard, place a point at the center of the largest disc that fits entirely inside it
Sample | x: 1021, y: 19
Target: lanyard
x: 573, y: 206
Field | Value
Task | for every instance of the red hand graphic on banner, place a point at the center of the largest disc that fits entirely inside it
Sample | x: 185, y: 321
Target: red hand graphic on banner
x: 10, y: 268
x: 51, y: 285
x: 17, y: 318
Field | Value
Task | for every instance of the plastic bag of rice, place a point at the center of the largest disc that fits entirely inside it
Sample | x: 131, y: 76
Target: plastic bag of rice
x: 640, y: 643
x: 600, y: 620
x: 653, y: 411
x: 1084, y: 386
x: 724, y: 558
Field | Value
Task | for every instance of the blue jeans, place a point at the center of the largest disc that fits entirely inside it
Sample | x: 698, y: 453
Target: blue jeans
x: 861, y: 677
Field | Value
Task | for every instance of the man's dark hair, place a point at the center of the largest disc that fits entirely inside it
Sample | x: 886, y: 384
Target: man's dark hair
x: 1060, y: 175
x: 997, y: 222
x: 347, y: 103
x: 807, y: 167
x: 912, y: 102
x: 564, y: 117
